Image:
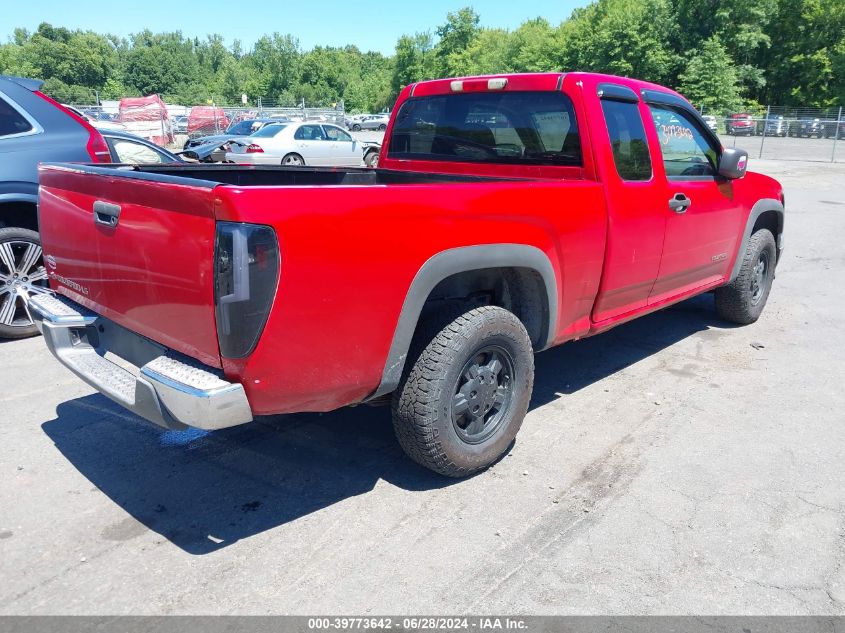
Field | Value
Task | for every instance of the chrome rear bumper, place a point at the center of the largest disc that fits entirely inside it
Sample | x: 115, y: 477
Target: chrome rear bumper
x: 164, y: 387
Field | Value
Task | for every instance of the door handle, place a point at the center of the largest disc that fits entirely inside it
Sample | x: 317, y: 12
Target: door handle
x: 679, y: 203
x: 106, y: 213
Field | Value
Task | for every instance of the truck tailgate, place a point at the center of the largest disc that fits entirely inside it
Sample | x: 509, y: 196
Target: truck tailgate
x: 135, y: 248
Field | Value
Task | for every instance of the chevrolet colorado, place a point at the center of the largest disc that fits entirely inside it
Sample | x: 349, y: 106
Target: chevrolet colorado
x: 508, y: 214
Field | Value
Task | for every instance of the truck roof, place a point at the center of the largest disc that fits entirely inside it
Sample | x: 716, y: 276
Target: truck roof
x: 521, y: 81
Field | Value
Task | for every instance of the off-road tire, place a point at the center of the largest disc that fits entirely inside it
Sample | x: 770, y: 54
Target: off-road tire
x: 422, y: 404
x: 17, y: 331
x: 737, y: 302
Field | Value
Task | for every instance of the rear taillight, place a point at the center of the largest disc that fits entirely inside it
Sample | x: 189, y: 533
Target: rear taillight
x: 254, y: 149
x: 96, y: 146
x: 246, y: 269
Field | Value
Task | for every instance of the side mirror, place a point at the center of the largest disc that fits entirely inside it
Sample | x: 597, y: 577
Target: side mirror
x: 733, y: 163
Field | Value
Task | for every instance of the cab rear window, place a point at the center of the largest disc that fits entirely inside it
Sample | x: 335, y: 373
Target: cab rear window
x: 501, y: 127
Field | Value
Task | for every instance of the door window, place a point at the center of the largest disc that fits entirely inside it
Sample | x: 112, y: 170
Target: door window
x: 686, y: 151
x: 336, y: 134
x: 627, y: 139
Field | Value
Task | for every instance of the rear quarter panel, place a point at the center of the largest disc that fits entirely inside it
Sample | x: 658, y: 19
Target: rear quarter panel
x: 349, y: 255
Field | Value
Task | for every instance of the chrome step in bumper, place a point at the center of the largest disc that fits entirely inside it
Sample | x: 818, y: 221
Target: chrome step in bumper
x: 167, y: 388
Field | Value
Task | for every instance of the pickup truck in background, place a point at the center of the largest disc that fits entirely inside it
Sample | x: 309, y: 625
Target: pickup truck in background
x: 508, y: 214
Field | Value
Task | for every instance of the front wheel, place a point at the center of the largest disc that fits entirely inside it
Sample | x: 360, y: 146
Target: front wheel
x: 460, y: 405
x: 371, y: 159
x: 22, y: 275
x: 293, y: 160
x: 356, y: 128
x: 742, y: 301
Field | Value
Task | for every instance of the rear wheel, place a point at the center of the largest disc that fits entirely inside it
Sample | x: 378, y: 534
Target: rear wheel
x: 382, y: 127
x: 22, y: 275
x: 743, y: 300
x: 461, y: 403
x: 293, y: 160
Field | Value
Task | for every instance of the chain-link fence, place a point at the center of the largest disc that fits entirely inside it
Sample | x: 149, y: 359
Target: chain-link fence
x: 784, y: 133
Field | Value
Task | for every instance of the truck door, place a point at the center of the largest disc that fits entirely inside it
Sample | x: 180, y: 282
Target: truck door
x: 702, y: 216
x: 635, y: 198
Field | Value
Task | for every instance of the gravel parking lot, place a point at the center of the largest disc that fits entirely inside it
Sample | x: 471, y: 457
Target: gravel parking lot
x: 788, y: 148
x: 674, y: 465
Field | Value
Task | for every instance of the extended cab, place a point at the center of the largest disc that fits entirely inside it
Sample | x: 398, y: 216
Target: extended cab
x: 508, y: 214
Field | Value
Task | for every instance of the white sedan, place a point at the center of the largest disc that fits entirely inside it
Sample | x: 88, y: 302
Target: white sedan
x: 307, y: 143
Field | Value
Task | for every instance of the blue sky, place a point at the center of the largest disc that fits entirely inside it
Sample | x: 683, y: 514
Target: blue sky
x: 368, y: 25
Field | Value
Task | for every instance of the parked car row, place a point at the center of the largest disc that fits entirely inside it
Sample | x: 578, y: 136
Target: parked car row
x: 283, y: 142
x: 744, y: 124
x: 360, y: 122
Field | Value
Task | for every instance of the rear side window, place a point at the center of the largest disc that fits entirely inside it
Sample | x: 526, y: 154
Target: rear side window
x: 685, y: 150
x: 504, y: 127
x: 309, y: 133
x: 627, y: 139
x: 269, y: 131
x: 12, y: 121
x: 336, y: 134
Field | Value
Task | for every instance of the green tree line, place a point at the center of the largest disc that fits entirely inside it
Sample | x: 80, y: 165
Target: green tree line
x: 722, y: 54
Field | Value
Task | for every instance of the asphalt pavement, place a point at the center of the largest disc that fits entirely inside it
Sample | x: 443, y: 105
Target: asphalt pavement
x: 675, y: 465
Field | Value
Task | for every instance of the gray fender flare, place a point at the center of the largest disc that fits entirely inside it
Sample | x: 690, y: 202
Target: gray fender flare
x: 448, y: 263
x: 760, y: 207
x: 19, y: 197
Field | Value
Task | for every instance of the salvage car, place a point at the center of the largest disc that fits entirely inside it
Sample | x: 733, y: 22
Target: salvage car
x: 776, y: 126
x: 244, y: 127
x: 297, y: 144
x: 807, y: 126
x: 133, y: 150
x: 371, y: 122
x: 203, y: 296
x: 740, y: 124
x: 711, y: 122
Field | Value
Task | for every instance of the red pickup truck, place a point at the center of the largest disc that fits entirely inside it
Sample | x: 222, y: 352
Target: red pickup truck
x: 508, y: 214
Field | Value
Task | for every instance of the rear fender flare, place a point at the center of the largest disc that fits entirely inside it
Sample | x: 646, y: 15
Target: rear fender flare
x: 760, y: 207
x: 451, y: 262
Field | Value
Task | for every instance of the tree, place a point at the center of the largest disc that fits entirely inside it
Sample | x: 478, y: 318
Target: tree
x: 710, y: 78
x: 456, y: 35
x: 621, y: 37
x: 414, y: 60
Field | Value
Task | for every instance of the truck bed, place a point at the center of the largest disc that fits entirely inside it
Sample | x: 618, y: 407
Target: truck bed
x: 269, y: 175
